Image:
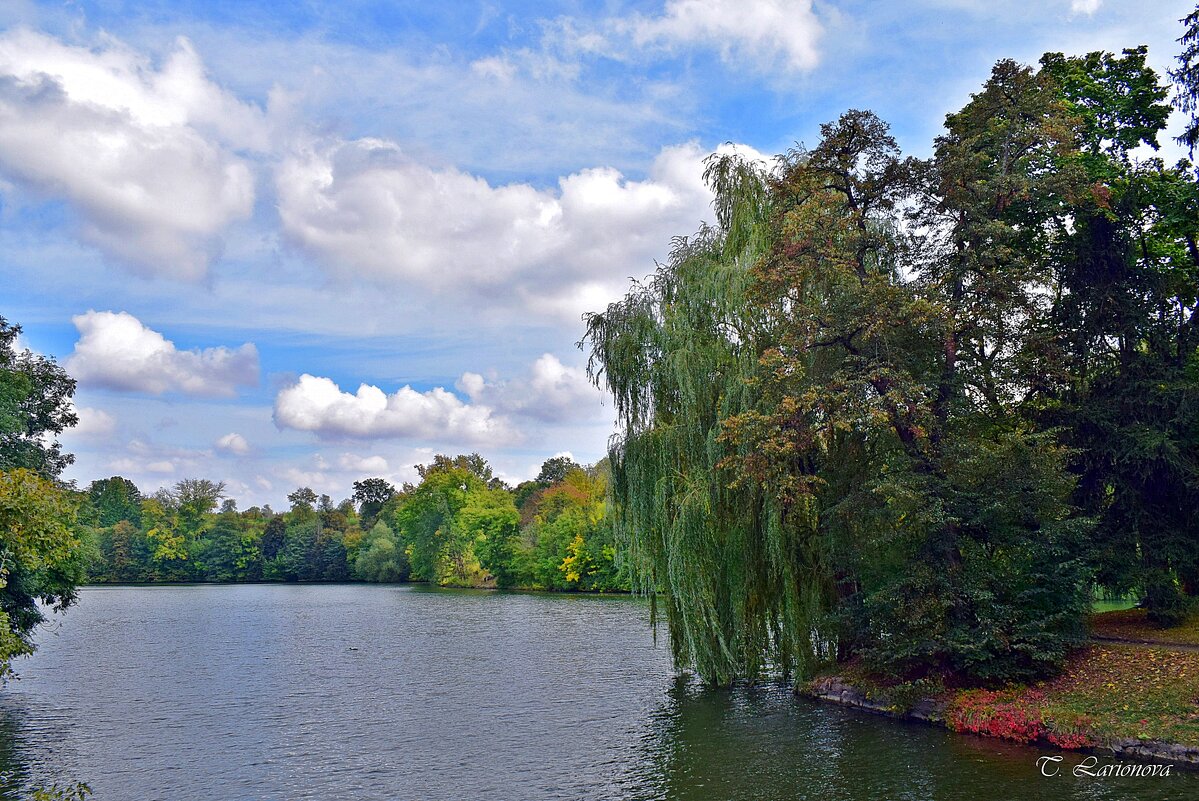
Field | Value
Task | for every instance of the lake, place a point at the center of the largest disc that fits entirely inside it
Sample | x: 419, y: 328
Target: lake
x: 403, y: 692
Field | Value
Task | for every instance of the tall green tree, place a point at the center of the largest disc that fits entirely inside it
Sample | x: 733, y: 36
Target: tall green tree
x: 35, y: 406
x: 490, y: 521
x: 195, y: 500
x: 303, y: 501
x: 1186, y: 79
x: 555, y: 469
x: 372, y: 494
x: 41, y: 559
x: 440, y: 550
x: 115, y: 499
x: 1123, y: 333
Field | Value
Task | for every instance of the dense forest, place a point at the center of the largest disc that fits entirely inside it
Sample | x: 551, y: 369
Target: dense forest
x: 459, y: 526
x: 912, y: 412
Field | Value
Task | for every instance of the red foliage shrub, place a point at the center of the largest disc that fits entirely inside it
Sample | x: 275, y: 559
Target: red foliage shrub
x: 995, y: 714
x: 1012, y: 716
x: 1070, y: 740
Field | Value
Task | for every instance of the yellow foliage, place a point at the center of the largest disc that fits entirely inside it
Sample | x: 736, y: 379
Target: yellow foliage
x: 576, y: 559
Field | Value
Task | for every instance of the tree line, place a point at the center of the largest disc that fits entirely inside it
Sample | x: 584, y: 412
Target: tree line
x: 913, y: 412
x: 458, y: 526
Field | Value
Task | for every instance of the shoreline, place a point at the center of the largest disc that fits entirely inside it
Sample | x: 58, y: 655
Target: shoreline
x: 348, y: 583
x: 932, y: 712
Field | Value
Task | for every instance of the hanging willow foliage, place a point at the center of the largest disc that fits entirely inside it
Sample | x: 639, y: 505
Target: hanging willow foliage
x: 741, y: 574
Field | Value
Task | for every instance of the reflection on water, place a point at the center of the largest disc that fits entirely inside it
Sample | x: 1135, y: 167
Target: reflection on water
x: 374, y: 692
x: 762, y: 744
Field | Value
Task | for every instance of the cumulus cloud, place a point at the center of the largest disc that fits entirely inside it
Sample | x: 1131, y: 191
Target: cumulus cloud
x: 552, y: 392
x: 319, y: 405
x: 115, y: 350
x: 145, y: 155
x: 1087, y: 7
x: 233, y: 443
x: 362, y: 207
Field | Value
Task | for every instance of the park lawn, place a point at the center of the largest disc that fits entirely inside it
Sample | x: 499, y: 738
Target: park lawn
x: 1105, y: 693
x: 1133, y: 625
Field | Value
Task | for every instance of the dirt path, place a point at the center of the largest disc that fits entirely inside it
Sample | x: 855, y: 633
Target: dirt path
x: 1173, y: 646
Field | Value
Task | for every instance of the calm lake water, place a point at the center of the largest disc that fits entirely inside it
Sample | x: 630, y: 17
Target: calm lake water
x: 384, y: 692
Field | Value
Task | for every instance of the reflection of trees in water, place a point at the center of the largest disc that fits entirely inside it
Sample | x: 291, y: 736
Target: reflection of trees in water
x: 34, y: 749
x: 760, y: 744
x: 14, y: 770
x: 746, y: 743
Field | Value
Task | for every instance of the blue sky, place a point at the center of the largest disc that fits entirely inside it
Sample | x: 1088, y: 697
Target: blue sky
x: 302, y: 244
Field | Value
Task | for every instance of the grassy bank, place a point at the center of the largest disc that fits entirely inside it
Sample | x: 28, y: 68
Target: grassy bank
x: 1141, y: 695
x: 1106, y: 693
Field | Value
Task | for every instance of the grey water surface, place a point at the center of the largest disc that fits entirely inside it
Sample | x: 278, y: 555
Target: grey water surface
x: 403, y: 692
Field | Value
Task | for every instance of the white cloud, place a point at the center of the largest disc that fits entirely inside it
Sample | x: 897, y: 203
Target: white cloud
x: 233, y: 443
x: 1087, y: 7
x: 363, y: 208
x: 116, y: 351
x: 552, y: 392
x: 495, y: 68
x: 768, y: 34
x: 541, y: 67
x: 128, y: 466
x: 362, y: 464
x: 313, y: 479
x: 93, y: 423
x: 144, y: 155
x: 319, y: 405
x: 336, y: 478
x: 150, y: 464
x: 751, y: 30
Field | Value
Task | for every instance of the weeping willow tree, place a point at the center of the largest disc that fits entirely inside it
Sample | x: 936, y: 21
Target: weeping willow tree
x: 740, y: 572
x: 821, y: 448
